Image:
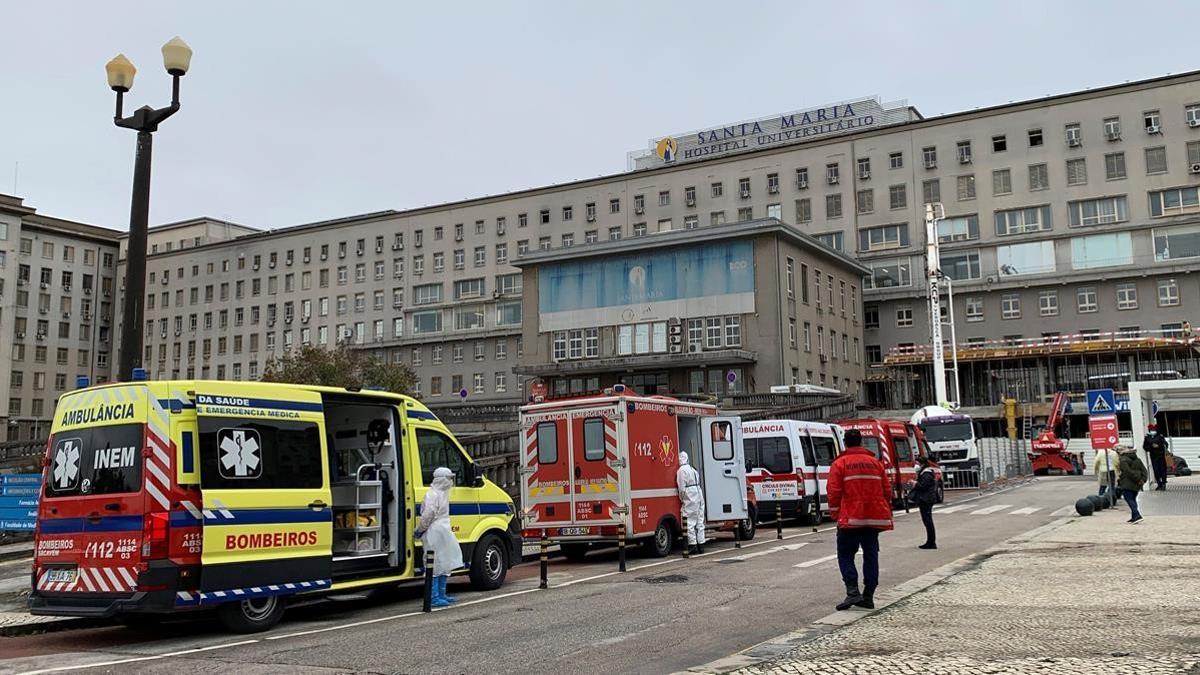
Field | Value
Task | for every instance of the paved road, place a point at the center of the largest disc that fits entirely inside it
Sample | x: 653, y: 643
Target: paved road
x: 661, y: 616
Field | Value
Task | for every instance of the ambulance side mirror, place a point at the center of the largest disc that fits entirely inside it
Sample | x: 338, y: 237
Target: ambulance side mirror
x: 474, y: 476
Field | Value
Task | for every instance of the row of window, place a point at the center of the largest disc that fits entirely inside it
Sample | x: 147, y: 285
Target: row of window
x: 806, y: 342
x: 87, y: 283
x: 791, y: 282
x: 1086, y: 302
x: 656, y: 337
x: 107, y: 260
x: 41, y: 330
x: 62, y: 356
x: 479, y: 381
x: 66, y: 305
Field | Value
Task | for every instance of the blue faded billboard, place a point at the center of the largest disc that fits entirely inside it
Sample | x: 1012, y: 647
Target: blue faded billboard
x: 623, y: 288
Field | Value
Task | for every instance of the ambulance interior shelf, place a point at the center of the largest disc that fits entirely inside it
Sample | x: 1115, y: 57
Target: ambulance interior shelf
x: 360, y: 518
x: 358, y: 513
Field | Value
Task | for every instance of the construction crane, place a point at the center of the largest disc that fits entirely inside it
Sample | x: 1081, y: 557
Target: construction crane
x: 1048, y: 452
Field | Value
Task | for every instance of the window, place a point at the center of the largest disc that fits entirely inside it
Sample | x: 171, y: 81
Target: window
x: 1010, y: 306
x: 1114, y: 166
x: 1039, y: 177
x: 733, y: 331
x: 1085, y: 299
x: 775, y: 211
x: 614, y: 233
x: 429, y: 321
x: 427, y: 294
x: 1035, y: 138
x: 883, y: 237
x: 509, y: 284
x: 896, y: 160
x: 792, y: 333
x: 1076, y: 171
x: 1035, y: 257
x: 966, y: 187
x: 745, y: 213
x: 834, y: 240
x: 865, y: 199
x: 501, y: 254
x: 890, y: 273
x: 1074, y: 135
x: 1001, y: 182
x: 568, y: 212
x: 1168, y: 293
x: 802, y: 178
x: 833, y: 206
x: 961, y: 266
x: 904, y: 317
x: 804, y: 210
x: 864, y: 168
x: 522, y: 246
x: 832, y: 173
x: 639, y: 230
x: 1191, y: 114
x: 1156, y: 160
x: 929, y: 156
x: 614, y: 205
x: 964, y: 152
x: 439, y: 261
x: 468, y: 318
x: 1021, y: 221
x: 481, y: 254
x: 437, y: 449
x: 590, y: 237
x: 974, y: 308
x: 664, y: 225
x: 1193, y: 153
x: 1048, y: 303
x: 931, y: 191
x: 965, y: 228
x: 999, y: 143
x: 544, y: 243
x: 804, y: 283
x: 1174, y: 201
x: 1127, y: 295
x: 591, y: 343
x: 1098, y: 211
x: 467, y: 288
x: 791, y: 277
x: 1101, y: 250
x: 1112, y: 128
x: 717, y: 189
x: 508, y: 314
x: 544, y: 216
x: 898, y: 196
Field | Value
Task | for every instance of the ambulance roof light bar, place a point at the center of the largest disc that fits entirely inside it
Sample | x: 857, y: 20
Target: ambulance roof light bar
x: 139, y: 375
x: 82, y: 382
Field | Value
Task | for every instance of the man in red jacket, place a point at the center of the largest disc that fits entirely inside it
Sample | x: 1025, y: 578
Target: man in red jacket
x: 860, y: 498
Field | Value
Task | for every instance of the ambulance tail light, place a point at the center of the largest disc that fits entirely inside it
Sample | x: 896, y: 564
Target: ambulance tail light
x: 156, y: 536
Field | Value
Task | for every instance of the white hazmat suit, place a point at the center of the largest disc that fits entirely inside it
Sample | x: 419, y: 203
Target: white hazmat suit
x: 435, y: 524
x: 687, y: 480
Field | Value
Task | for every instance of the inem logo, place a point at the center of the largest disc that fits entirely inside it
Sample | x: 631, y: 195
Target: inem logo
x: 666, y: 149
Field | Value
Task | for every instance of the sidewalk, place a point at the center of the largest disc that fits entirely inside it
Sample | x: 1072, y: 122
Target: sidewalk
x: 1029, y: 605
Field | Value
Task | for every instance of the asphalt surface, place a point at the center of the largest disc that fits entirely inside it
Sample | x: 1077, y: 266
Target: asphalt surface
x: 663, y: 615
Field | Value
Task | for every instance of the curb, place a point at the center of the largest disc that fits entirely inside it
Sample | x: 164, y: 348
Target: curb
x: 776, y: 647
x: 54, y: 626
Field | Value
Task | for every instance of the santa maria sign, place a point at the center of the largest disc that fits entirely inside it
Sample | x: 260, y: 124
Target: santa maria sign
x: 790, y: 127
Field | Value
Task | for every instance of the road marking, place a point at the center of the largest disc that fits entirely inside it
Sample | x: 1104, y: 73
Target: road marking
x: 818, y: 561
x: 747, y: 556
x: 1064, y: 511
x: 139, y: 659
x: 991, y: 509
x: 952, y: 509
x: 1026, y: 511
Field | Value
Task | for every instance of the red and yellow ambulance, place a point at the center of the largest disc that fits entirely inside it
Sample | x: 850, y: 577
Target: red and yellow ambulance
x: 169, y: 496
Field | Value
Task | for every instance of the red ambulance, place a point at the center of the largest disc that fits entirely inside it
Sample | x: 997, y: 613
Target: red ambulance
x: 897, y: 445
x: 594, y: 462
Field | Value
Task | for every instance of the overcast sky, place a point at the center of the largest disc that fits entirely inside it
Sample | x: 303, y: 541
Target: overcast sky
x: 300, y: 111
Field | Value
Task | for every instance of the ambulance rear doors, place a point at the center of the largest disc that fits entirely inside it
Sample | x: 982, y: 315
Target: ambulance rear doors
x: 821, y: 443
x: 724, y: 467
x: 264, y: 479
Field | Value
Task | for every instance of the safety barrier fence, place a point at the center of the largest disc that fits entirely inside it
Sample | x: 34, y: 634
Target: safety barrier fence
x: 1001, y: 461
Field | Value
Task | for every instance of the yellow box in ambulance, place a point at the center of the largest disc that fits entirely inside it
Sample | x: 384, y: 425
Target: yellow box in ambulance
x: 171, y: 496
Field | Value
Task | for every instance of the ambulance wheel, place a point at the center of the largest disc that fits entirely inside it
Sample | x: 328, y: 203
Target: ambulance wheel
x: 659, y: 545
x: 489, y: 564
x: 748, y: 527
x: 574, y: 552
x: 251, y: 616
x: 811, y: 516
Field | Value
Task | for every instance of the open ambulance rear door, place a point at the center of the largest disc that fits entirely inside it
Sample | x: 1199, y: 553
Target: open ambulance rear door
x: 724, y: 468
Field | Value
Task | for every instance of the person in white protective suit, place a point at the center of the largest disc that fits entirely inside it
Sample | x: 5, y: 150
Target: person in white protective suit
x: 434, y: 531
x: 687, y: 480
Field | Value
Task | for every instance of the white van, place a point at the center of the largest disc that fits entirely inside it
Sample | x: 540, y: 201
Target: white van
x: 787, y: 461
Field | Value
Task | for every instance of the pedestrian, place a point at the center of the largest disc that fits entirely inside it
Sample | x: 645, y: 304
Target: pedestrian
x: 1105, y: 465
x: 924, y: 494
x: 1155, y: 446
x: 691, y: 498
x: 1132, y: 475
x: 435, y: 533
x: 860, y: 498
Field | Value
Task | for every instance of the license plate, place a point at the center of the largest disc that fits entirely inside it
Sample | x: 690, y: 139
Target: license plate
x: 574, y: 531
x: 60, y: 576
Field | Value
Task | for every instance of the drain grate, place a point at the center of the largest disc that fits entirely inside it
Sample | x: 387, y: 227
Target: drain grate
x: 664, y: 579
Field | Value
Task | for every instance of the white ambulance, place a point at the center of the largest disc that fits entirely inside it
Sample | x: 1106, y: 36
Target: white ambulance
x: 787, y: 461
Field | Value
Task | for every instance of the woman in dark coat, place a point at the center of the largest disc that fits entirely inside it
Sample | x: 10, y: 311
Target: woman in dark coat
x: 1132, y: 476
x: 924, y: 494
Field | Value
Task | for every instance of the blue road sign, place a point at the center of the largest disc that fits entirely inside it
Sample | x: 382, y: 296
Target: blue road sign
x: 1154, y: 409
x: 1101, y: 402
x: 18, y: 501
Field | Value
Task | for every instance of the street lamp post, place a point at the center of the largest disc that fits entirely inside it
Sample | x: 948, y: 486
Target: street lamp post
x: 177, y: 57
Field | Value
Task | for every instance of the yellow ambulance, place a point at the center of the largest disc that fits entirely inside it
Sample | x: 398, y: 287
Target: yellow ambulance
x: 173, y: 496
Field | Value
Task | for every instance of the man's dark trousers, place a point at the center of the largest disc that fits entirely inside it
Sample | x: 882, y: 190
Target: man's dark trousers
x: 849, y: 540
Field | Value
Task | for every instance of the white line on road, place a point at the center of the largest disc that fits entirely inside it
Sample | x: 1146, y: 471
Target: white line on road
x: 1064, y: 511
x: 1026, y: 511
x: 137, y: 659
x: 952, y: 509
x: 991, y: 509
x: 785, y: 547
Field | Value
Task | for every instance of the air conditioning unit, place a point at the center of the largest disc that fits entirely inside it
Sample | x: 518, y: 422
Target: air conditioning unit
x: 66, y: 315
x: 305, y: 319
x: 864, y: 175
x: 639, y: 210
x: 87, y: 291
x: 288, y: 261
x: 1193, y: 123
x: 1074, y: 141
x: 773, y: 190
x: 271, y: 265
x: 689, y: 202
x: 590, y: 219
x: 255, y: 267
x: 458, y: 237
x: 694, y: 347
x: 20, y: 336
x: 801, y: 185
x: 931, y: 164
x: 86, y: 316
x: 66, y: 289
x: 395, y: 247
x: 324, y: 256
x: 964, y: 159
x: 1153, y: 129
x: 833, y: 180
x: 108, y: 294
x: 163, y: 335
x: 41, y: 336
x: 1113, y: 135
x: 22, y: 282
x: 824, y: 358
x: 379, y: 248
x: 45, y: 285
x: 307, y: 259
x: 746, y: 194
x: 271, y: 322
x: 178, y: 333
x: 288, y: 320
x: 1195, y: 167
x: 676, y: 340
x: 43, y: 311
x: 676, y: 348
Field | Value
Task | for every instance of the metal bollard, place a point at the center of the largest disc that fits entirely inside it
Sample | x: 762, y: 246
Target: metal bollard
x: 544, y: 559
x: 621, y: 546
x: 687, y: 552
x: 779, y: 520
x: 427, y: 602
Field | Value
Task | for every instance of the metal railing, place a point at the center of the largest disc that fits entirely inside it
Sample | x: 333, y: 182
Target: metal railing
x: 499, y: 456
x: 22, y: 454
x: 1001, y: 461
x: 823, y: 410
x: 477, y: 412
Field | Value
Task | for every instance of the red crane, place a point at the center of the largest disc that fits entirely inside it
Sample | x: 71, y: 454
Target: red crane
x: 1048, y: 451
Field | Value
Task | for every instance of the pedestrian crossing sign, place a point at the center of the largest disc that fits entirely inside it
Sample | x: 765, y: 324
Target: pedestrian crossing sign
x: 1101, y: 402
